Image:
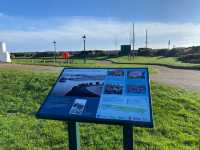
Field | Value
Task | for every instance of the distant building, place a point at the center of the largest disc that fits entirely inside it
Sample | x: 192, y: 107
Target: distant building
x: 125, y: 49
x: 4, y: 54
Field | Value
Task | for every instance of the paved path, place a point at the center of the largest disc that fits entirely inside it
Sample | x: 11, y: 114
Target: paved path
x: 188, y: 79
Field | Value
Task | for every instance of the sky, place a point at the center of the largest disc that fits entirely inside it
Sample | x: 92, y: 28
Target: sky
x: 32, y: 25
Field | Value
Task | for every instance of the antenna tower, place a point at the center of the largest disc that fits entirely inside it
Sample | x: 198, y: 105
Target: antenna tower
x: 146, y: 42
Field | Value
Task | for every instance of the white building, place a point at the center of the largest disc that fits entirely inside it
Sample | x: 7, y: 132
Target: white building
x: 4, y: 54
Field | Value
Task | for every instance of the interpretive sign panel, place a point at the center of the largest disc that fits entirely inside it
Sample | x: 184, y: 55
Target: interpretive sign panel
x: 106, y: 95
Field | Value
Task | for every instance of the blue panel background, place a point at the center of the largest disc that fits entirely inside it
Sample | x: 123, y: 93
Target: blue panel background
x: 58, y: 107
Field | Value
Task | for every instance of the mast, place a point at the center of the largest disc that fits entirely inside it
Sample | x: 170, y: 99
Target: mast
x: 169, y: 43
x: 146, y: 42
x: 133, y: 37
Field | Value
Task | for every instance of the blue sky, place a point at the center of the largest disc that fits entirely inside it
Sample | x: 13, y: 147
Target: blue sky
x: 31, y: 25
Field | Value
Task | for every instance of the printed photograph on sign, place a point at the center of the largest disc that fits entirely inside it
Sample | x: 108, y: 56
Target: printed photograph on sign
x: 80, y: 84
x: 136, y: 74
x: 136, y: 89
x: 78, y: 107
x: 113, y: 89
x: 116, y: 72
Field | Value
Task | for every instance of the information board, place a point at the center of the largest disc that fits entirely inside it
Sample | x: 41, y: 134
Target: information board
x: 106, y: 95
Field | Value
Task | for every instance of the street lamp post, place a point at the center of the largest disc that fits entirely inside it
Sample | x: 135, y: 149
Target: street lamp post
x: 54, y: 45
x: 84, y: 38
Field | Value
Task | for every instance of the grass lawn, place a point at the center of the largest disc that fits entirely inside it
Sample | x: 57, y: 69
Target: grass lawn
x: 169, y: 61
x: 91, y: 62
x: 176, y: 118
x: 117, y: 62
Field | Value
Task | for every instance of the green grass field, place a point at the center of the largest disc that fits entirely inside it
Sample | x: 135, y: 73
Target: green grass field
x: 100, y: 62
x: 168, y: 61
x: 176, y: 117
x: 77, y: 62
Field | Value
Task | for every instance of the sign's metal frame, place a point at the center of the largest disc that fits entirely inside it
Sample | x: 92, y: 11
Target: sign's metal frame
x: 73, y: 120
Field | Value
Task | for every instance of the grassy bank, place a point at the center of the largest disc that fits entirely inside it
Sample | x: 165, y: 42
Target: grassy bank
x: 98, y: 62
x: 165, y: 61
x: 122, y: 61
x: 176, y: 116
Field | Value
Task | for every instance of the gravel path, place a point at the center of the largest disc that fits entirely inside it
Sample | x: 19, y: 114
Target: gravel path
x: 187, y: 79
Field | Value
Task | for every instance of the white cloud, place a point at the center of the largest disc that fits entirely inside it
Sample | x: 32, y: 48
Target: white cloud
x: 101, y: 33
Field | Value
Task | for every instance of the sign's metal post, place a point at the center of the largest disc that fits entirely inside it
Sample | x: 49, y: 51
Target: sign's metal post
x: 128, y: 137
x: 74, y: 135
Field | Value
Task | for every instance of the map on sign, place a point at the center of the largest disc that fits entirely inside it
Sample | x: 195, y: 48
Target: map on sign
x: 100, y: 95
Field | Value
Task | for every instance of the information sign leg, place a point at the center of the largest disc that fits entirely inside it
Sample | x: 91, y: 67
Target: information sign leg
x: 74, y: 135
x: 128, y: 137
